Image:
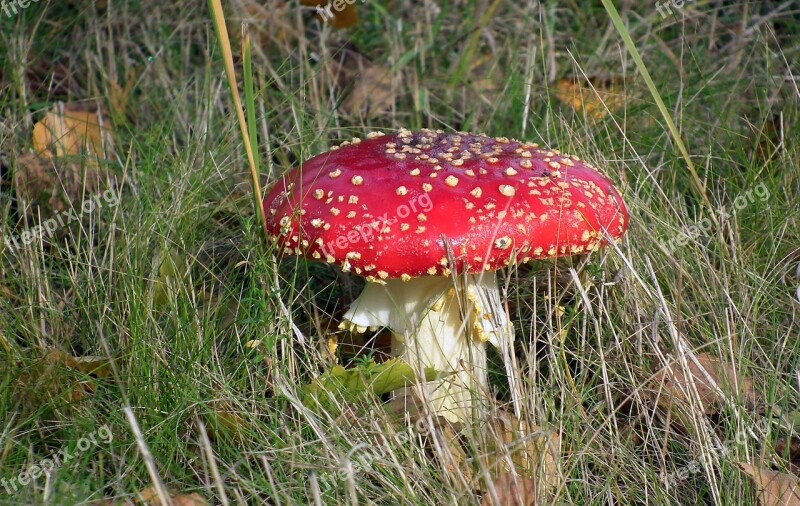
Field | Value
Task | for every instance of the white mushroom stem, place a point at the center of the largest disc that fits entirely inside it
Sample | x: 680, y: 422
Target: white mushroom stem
x: 436, y: 326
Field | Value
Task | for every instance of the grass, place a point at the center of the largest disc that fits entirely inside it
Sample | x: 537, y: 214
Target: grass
x: 212, y: 337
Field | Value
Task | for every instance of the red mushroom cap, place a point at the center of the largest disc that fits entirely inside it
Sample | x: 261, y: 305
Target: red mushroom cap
x: 386, y: 206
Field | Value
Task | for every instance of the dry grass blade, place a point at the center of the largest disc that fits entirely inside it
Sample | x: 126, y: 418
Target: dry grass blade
x: 218, y: 16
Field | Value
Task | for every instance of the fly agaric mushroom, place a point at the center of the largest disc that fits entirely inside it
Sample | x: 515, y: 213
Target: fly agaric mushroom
x: 415, y: 211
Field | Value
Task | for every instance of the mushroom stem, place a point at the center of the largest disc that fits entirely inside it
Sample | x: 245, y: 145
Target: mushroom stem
x: 436, y: 326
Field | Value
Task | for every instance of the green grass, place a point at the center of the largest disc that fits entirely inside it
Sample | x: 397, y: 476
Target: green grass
x: 209, y: 331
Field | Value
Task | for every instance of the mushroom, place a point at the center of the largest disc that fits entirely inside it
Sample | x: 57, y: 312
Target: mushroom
x: 428, y: 218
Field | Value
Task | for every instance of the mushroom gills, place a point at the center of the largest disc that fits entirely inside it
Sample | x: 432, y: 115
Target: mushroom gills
x: 436, y: 326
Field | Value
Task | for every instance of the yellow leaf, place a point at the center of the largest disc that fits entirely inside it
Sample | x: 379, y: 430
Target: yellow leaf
x: 71, y: 129
x: 149, y: 497
x: 65, y: 169
x: 596, y: 101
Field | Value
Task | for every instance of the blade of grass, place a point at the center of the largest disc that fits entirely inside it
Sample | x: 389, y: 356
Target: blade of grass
x: 651, y: 86
x: 248, y: 138
x: 249, y: 98
x: 468, y: 55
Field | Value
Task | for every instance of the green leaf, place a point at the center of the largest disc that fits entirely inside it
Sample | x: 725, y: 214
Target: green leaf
x: 364, y: 379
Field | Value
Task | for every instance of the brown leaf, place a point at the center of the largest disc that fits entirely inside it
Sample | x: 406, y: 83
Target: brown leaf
x: 706, y: 374
x: 73, y: 129
x: 533, y: 451
x: 99, y: 367
x: 270, y: 24
x: 446, y: 447
x: 96, y: 366
x: 225, y: 420
x: 49, y: 378
x: 774, y: 488
x: 604, y: 95
x: 193, y: 499
x: 511, y: 491
x: 70, y: 142
x: 789, y: 448
x: 371, y: 94
x: 149, y: 497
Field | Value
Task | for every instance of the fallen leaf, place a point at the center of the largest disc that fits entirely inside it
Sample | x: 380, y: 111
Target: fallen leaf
x: 149, y: 497
x: 193, y: 499
x: 348, y: 384
x: 96, y: 366
x: 712, y: 378
x: 172, y: 276
x: 49, y: 378
x: 518, y: 447
x: 226, y: 421
x: 441, y: 437
x: 71, y: 143
x: 775, y: 489
x: 270, y: 24
x: 72, y: 130
x: 789, y: 449
x: 511, y: 491
x: 595, y: 100
x: 371, y: 85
